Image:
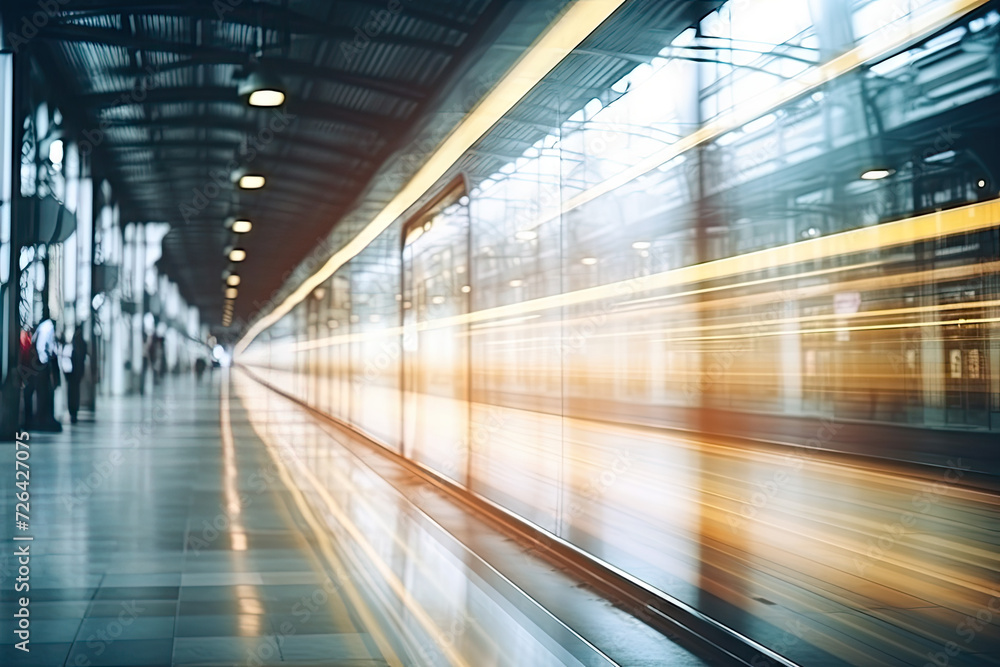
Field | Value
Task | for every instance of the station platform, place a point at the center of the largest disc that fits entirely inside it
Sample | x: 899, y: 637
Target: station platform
x: 172, y: 530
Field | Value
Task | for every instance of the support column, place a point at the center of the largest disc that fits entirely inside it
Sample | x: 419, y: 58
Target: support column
x: 13, y: 93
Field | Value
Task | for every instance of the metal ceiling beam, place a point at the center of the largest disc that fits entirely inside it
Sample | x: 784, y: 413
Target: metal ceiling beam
x: 266, y: 163
x: 79, y: 33
x: 300, y: 69
x: 171, y: 144
x: 221, y: 123
x: 212, y: 145
x: 250, y: 14
x: 226, y: 95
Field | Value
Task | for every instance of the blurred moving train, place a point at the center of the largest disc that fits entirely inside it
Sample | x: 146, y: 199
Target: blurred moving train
x: 777, y: 229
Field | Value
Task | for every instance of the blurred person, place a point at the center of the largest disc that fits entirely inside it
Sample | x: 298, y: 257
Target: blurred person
x: 148, y: 359
x: 199, y: 367
x: 28, y: 365
x: 159, y: 359
x: 74, y: 357
x: 46, y: 349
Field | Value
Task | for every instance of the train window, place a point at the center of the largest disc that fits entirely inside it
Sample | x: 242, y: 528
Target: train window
x: 435, y: 254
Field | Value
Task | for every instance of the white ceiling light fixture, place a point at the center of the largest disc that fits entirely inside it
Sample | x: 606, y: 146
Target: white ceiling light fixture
x: 237, y: 255
x: 877, y: 174
x: 241, y: 226
x: 262, y: 89
x: 233, y: 280
x: 251, y: 181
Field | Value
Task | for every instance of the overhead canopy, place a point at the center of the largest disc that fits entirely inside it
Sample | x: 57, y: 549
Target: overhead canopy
x: 156, y: 87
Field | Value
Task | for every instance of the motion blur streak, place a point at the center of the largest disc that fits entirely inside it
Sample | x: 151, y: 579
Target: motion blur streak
x: 681, y: 328
x: 923, y: 228
x: 578, y: 21
x: 552, y: 48
x: 436, y: 614
x: 283, y: 457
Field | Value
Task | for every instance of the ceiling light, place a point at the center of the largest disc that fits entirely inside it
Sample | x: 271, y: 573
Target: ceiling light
x: 526, y: 235
x: 982, y: 183
x: 516, y: 283
x: 251, y: 182
x: 641, y: 245
x: 266, y: 97
x: 261, y: 89
x: 876, y: 174
x: 589, y: 261
x: 241, y: 226
x: 233, y: 280
x: 466, y: 289
x: 231, y: 292
x: 237, y: 255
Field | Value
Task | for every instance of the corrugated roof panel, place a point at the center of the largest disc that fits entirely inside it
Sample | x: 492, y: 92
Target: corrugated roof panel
x: 182, y: 116
x: 111, y: 21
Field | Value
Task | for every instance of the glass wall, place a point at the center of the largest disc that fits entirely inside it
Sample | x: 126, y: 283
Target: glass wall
x: 747, y: 236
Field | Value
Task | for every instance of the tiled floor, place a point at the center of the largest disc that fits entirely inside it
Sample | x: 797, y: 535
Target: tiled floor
x: 142, y: 555
x: 217, y: 523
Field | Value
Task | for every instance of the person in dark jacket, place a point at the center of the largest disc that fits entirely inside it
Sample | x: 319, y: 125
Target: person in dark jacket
x: 78, y: 358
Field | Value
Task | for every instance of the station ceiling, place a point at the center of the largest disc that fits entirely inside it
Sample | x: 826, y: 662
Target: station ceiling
x: 156, y: 85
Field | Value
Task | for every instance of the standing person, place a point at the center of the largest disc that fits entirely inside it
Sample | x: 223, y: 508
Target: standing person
x: 45, y: 348
x: 28, y: 363
x: 77, y: 356
x: 147, y: 356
